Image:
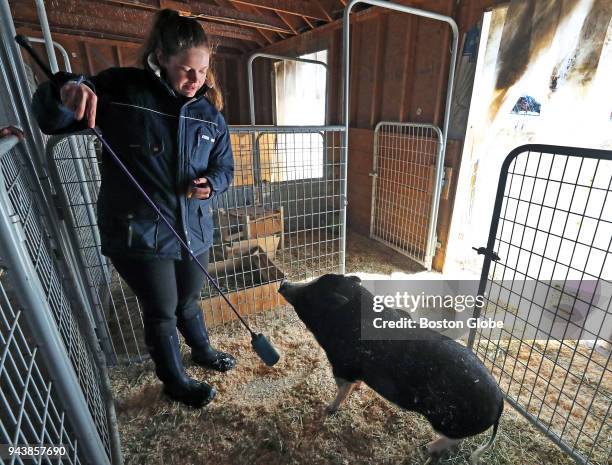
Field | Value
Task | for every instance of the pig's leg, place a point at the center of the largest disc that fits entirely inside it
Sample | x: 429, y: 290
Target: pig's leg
x: 344, y: 389
x: 437, y: 447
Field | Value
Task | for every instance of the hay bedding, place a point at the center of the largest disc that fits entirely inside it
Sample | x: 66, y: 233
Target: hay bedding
x: 275, y: 416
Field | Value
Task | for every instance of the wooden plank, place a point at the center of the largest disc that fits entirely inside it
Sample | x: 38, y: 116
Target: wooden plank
x: 452, y: 160
x: 295, y: 7
x: 379, y: 65
x: 248, y: 302
x: 243, y: 163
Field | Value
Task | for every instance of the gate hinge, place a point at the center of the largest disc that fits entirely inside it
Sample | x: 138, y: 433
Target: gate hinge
x: 488, y: 254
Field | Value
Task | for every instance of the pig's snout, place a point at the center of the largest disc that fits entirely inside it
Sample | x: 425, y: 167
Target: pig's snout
x: 284, y: 287
x: 292, y: 292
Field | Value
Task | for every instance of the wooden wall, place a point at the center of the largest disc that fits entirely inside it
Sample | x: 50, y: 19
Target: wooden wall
x: 90, y: 55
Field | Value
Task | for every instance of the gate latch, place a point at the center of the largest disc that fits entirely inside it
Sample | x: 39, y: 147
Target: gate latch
x: 490, y: 255
x: 373, y: 173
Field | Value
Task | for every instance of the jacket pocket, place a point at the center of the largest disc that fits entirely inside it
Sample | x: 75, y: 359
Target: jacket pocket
x: 205, y: 220
x: 203, y: 144
x: 149, y: 138
x: 142, y: 233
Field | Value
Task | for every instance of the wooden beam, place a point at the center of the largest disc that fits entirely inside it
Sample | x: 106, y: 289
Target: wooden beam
x: 295, y: 7
x: 224, y: 12
x: 230, y: 6
x: 309, y: 22
x: 379, y: 63
x: 325, y: 12
x: 61, y: 37
x: 292, y: 22
x: 358, y: 17
x: 120, y: 23
x: 239, y: 18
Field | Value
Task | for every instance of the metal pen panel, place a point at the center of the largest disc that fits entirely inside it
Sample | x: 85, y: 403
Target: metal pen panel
x: 76, y: 177
x: 346, y: 42
x: 547, y: 274
x: 404, y: 188
x: 289, y: 228
x: 54, y: 323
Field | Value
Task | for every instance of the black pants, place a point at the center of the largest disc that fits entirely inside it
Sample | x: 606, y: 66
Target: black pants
x: 168, y: 290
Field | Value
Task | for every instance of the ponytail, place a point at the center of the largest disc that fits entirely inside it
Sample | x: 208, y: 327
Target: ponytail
x: 214, y: 94
x: 172, y: 33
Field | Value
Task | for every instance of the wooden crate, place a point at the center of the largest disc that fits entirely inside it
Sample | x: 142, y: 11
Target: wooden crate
x: 250, y: 301
x: 254, y: 222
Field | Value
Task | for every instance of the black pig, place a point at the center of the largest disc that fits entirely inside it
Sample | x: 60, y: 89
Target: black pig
x: 427, y: 372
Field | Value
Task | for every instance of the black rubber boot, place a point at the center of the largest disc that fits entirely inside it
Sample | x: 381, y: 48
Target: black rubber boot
x: 196, y: 337
x: 170, y: 370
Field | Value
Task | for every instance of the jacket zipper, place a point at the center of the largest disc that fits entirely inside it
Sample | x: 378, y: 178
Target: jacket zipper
x: 183, y: 163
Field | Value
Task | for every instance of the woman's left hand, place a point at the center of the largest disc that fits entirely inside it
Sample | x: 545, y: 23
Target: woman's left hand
x: 200, y: 188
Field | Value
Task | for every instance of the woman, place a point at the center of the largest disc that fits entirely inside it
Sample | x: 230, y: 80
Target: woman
x: 164, y: 123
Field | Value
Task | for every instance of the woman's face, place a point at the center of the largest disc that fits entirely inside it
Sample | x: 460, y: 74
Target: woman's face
x: 186, y: 71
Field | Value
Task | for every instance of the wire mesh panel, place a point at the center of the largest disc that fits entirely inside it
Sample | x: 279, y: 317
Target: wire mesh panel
x: 20, y: 198
x: 73, y: 163
x: 404, y: 187
x: 280, y: 218
x: 31, y: 413
x: 551, y: 284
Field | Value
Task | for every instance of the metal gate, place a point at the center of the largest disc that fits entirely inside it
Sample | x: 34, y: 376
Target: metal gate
x: 547, y: 274
x: 404, y: 188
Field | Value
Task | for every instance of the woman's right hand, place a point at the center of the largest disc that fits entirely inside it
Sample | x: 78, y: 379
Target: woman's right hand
x: 81, y: 100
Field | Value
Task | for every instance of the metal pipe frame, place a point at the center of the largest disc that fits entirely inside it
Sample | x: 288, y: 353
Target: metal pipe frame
x: 273, y: 57
x: 288, y: 129
x: 58, y: 46
x: 431, y: 239
x: 449, y: 95
x: 90, y: 335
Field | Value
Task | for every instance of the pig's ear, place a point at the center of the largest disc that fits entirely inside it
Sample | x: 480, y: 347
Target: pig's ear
x: 336, y: 300
x: 357, y: 279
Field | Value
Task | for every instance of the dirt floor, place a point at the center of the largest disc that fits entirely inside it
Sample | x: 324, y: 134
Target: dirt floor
x: 275, y: 416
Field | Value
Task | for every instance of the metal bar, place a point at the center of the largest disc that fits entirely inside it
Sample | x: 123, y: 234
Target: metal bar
x: 449, y: 93
x: 44, y: 26
x: 273, y: 57
x: 284, y: 129
x: 58, y: 46
x: 7, y: 143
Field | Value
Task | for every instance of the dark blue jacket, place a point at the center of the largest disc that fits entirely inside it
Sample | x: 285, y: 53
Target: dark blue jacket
x: 166, y: 141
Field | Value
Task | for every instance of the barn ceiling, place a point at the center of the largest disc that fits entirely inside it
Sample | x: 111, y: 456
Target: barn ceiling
x: 236, y: 26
